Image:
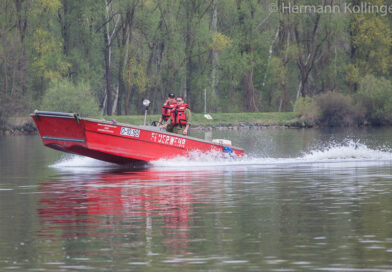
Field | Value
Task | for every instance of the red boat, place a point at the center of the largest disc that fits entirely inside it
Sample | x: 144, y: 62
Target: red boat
x: 116, y: 142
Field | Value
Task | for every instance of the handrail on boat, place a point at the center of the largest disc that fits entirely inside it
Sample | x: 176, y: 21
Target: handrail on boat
x: 76, y: 116
x: 38, y: 113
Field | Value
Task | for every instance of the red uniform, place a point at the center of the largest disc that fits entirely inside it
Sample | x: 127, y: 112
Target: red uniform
x: 167, y: 108
x: 178, y: 116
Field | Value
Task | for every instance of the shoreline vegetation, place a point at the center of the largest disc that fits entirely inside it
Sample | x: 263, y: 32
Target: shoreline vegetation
x: 329, y: 109
x: 330, y: 63
x: 220, y: 121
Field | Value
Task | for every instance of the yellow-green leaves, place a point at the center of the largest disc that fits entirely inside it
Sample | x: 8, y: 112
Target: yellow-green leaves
x: 48, y: 7
x: 220, y: 42
x: 48, y: 61
x: 134, y: 75
x: 64, y: 95
x: 372, y: 41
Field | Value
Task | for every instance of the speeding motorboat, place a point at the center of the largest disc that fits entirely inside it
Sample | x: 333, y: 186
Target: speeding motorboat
x: 117, y: 142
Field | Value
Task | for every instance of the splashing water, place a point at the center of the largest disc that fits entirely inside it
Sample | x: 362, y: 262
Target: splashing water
x: 79, y: 164
x: 349, y: 151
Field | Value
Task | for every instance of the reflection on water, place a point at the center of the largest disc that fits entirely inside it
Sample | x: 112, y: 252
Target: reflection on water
x: 128, y: 205
x: 323, y: 208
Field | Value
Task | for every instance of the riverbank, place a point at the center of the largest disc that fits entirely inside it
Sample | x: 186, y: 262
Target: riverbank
x: 18, y: 126
x: 219, y: 121
x: 225, y: 120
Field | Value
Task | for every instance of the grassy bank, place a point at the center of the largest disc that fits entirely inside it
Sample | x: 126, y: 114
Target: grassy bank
x: 223, y: 119
x: 25, y: 125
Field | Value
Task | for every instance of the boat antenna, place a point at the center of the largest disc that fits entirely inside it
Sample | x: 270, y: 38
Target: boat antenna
x: 146, y: 103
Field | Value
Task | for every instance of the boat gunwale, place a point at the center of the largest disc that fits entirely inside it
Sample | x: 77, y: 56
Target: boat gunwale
x: 151, y: 130
x: 76, y: 116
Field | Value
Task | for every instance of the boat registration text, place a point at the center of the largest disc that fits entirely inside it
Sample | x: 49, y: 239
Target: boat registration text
x: 168, y: 139
x: 130, y: 132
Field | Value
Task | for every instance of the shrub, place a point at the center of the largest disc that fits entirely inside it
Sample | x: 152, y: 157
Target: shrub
x: 13, y: 106
x: 337, y: 109
x: 375, y: 98
x: 65, y: 96
x: 2, y: 112
x: 307, y: 109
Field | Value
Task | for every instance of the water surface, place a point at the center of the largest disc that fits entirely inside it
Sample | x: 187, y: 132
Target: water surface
x: 301, y: 200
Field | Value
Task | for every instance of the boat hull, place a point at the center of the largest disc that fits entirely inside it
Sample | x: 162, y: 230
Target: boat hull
x: 115, y: 142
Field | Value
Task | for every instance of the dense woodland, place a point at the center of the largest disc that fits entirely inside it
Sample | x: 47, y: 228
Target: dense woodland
x: 247, y: 55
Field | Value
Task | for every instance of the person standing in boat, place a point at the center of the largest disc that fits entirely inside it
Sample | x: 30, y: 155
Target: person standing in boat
x: 180, y: 118
x: 169, y: 105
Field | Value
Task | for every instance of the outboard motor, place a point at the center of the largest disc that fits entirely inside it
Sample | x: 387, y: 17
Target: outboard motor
x: 226, y: 146
x: 227, y: 149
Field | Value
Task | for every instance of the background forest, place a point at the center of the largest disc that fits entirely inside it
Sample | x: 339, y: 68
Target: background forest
x: 105, y: 56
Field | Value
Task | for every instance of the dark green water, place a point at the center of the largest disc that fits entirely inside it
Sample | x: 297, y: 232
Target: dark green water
x: 302, y: 200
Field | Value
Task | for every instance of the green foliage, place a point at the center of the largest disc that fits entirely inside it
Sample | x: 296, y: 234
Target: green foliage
x: 375, y: 98
x: 307, y: 109
x: 3, y: 111
x: 49, y: 6
x: 65, y: 96
x: 13, y: 106
x: 372, y: 41
x: 220, y: 42
x: 48, y: 61
x: 277, y: 82
x: 328, y: 109
x: 248, y: 59
x: 134, y: 75
x: 223, y: 119
x: 337, y: 109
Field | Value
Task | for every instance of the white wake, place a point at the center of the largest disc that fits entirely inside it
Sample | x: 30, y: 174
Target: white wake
x: 334, y: 153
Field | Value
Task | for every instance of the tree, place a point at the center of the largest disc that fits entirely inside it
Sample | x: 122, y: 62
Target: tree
x: 371, y: 42
x: 111, y: 20
x: 47, y: 59
x: 64, y: 95
x: 14, y: 77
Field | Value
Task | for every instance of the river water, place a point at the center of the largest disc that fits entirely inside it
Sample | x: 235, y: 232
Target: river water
x: 301, y: 200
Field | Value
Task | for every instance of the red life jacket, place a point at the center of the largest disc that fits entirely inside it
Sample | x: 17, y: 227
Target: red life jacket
x: 178, y: 116
x: 167, y: 108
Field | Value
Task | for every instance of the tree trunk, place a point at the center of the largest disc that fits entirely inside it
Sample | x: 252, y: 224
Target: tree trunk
x: 126, y: 38
x: 214, y: 53
x: 21, y: 22
x: 270, y: 56
x: 312, y: 51
x: 22, y: 28
x: 108, y: 55
x: 249, y: 91
x: 190, y: 13
x: 108, y: 80
x: 115, y: 100
x: 188, y: 55
x: 65, y: 26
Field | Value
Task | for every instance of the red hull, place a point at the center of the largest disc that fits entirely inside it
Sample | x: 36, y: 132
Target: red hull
x: 115, y: 142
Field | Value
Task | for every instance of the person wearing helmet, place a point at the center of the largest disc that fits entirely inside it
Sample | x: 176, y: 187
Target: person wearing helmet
x: 169, y: 105
x: 180, y: 118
